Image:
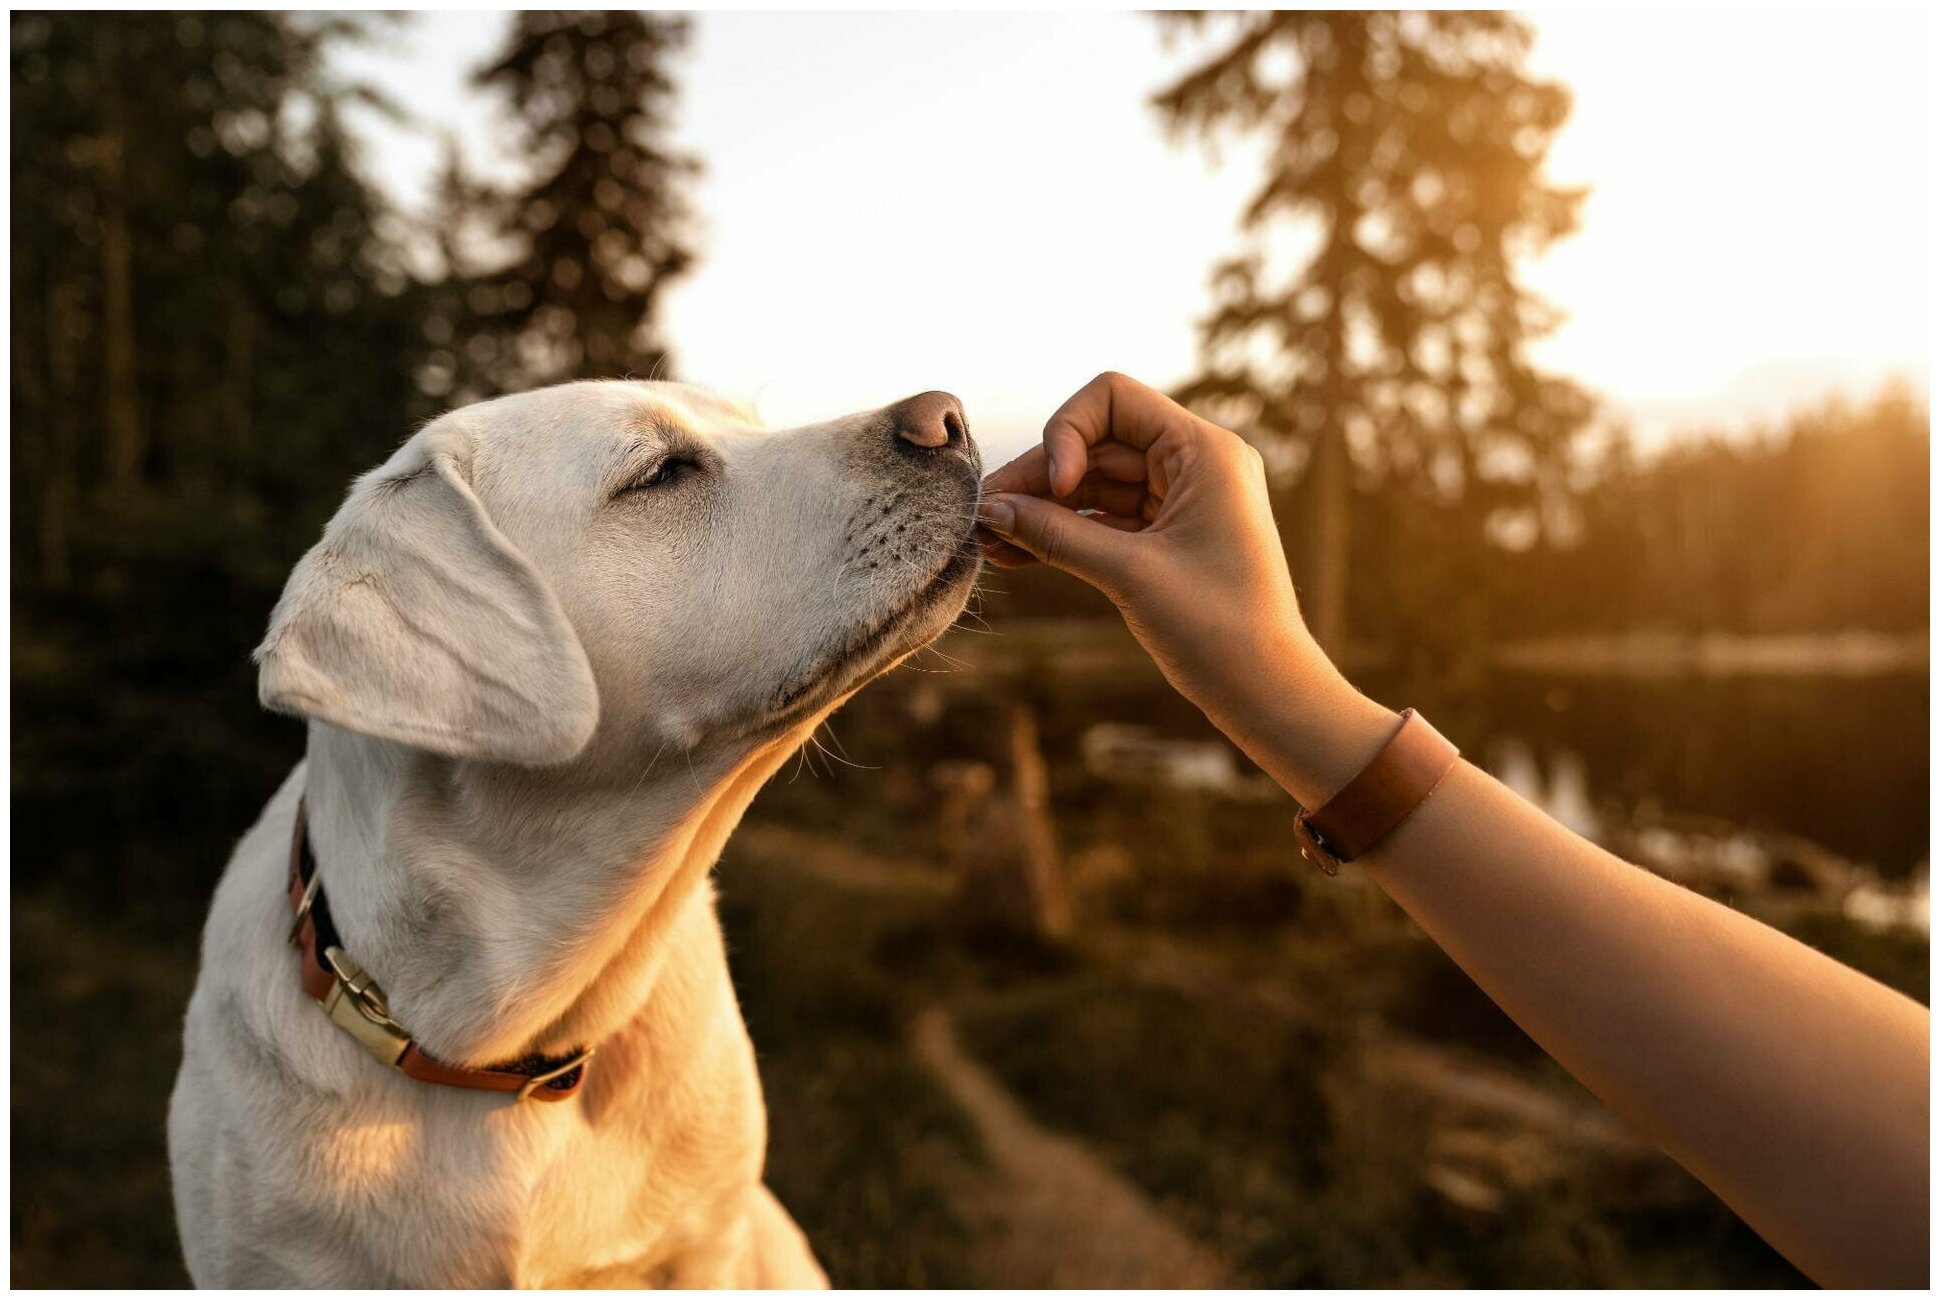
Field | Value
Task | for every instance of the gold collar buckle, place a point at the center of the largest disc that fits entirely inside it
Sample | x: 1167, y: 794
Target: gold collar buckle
x: 356, y: 1005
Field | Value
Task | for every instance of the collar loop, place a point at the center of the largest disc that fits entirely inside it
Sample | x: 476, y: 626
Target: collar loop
x: 356, y: 1004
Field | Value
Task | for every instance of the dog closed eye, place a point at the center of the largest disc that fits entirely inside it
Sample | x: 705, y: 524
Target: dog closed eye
x: 666, y: 472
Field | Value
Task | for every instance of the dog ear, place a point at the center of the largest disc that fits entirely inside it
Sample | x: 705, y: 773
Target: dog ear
x: 416, y: 620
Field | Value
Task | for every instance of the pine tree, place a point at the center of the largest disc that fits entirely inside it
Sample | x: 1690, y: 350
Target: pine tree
x: 1406, y: 156
x: 213, y: 330
x: 203, y: 286
x: 602, y: 229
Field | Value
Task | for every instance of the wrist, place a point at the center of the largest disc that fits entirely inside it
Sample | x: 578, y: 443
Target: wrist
x: 1303, y: 722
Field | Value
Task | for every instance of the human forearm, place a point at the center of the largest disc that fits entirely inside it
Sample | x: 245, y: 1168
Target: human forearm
x: 1295, y: 716
x: 1793, y: 1087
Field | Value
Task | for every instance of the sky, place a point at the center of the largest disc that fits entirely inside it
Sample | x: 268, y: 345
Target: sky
x: 986, y: 203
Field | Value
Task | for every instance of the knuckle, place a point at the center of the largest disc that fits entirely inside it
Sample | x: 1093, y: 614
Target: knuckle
x: 1051, y: 544
x: 1236, y: 452
x: 1122, y: 387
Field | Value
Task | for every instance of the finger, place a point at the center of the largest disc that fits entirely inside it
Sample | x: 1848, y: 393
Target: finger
x: 1002, y: 555
x: 1114, y: 459
x: 1031, y: 472
x: 999, y: 552
x: 1059, y: 537
x: 1026, y: 473
x: 1110, y: 406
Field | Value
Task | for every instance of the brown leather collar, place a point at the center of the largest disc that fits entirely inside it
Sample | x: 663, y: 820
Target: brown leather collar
x: 355, y: 1003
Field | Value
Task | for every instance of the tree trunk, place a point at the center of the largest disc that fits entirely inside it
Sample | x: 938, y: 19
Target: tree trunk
x: 239, y: 341
x: 60, y: 436
x: 1050, y: 903
x: 127, y: 441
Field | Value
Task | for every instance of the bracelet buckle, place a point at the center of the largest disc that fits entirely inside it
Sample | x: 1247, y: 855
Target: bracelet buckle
x: 1312, y: 846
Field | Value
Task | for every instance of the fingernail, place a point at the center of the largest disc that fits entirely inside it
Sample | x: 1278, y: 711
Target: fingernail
x: 997, y: 516
x: 1051, y: 468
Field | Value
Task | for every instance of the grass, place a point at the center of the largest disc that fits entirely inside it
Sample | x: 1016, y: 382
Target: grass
x: 97, y: 1025
x: 863, y: 1148
x: 1220, y: 1127
x: 1275, y: 1146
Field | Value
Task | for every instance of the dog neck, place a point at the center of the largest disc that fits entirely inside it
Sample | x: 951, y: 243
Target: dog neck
x: 508, y: 911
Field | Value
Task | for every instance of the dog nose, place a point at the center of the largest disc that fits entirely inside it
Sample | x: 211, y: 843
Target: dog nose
x: 931, y: 421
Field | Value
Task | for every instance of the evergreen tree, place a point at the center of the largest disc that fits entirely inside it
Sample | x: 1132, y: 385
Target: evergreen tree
x: 602, y: 229
x: 209, y: 315
x: 213, y: 331
x: 1405, y: 165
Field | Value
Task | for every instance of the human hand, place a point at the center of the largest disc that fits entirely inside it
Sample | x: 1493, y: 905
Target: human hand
x: 1181, y: 538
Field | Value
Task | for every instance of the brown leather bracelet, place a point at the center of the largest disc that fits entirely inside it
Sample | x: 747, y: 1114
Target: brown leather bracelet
x: 1367, y: 808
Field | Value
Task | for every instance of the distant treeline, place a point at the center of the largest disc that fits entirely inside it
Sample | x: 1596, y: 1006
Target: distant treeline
x: 1816, y: 526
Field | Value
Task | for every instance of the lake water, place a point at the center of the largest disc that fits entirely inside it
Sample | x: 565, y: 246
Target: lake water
x: 1840, y: 760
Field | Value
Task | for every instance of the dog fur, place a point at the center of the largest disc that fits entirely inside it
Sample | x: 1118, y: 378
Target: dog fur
x: 549, y: 652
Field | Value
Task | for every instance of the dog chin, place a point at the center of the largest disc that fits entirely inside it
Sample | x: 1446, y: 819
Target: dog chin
x: 927, y: 614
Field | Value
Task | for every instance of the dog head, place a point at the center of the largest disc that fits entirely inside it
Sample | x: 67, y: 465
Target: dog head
x: 641, y: 563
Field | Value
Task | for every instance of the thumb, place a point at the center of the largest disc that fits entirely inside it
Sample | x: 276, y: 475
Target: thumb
x: 1063, y: 539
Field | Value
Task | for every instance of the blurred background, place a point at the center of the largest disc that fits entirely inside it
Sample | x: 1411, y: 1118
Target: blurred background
x: 1588, y: 352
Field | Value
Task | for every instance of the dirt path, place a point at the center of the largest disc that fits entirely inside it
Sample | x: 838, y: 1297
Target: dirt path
x: 1057, y: 1216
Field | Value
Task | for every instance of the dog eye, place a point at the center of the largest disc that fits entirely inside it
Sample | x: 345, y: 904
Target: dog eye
x: 664, y: 474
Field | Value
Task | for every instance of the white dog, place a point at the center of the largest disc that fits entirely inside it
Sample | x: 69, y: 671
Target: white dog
x: 549, y: 651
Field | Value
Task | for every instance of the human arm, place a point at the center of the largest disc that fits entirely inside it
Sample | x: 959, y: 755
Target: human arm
x: 1792, y: 1086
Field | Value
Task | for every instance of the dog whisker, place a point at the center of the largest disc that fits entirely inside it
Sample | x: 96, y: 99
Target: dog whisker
x: 839, y: 758
x: 954, y: 662
x: 644, y: 772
